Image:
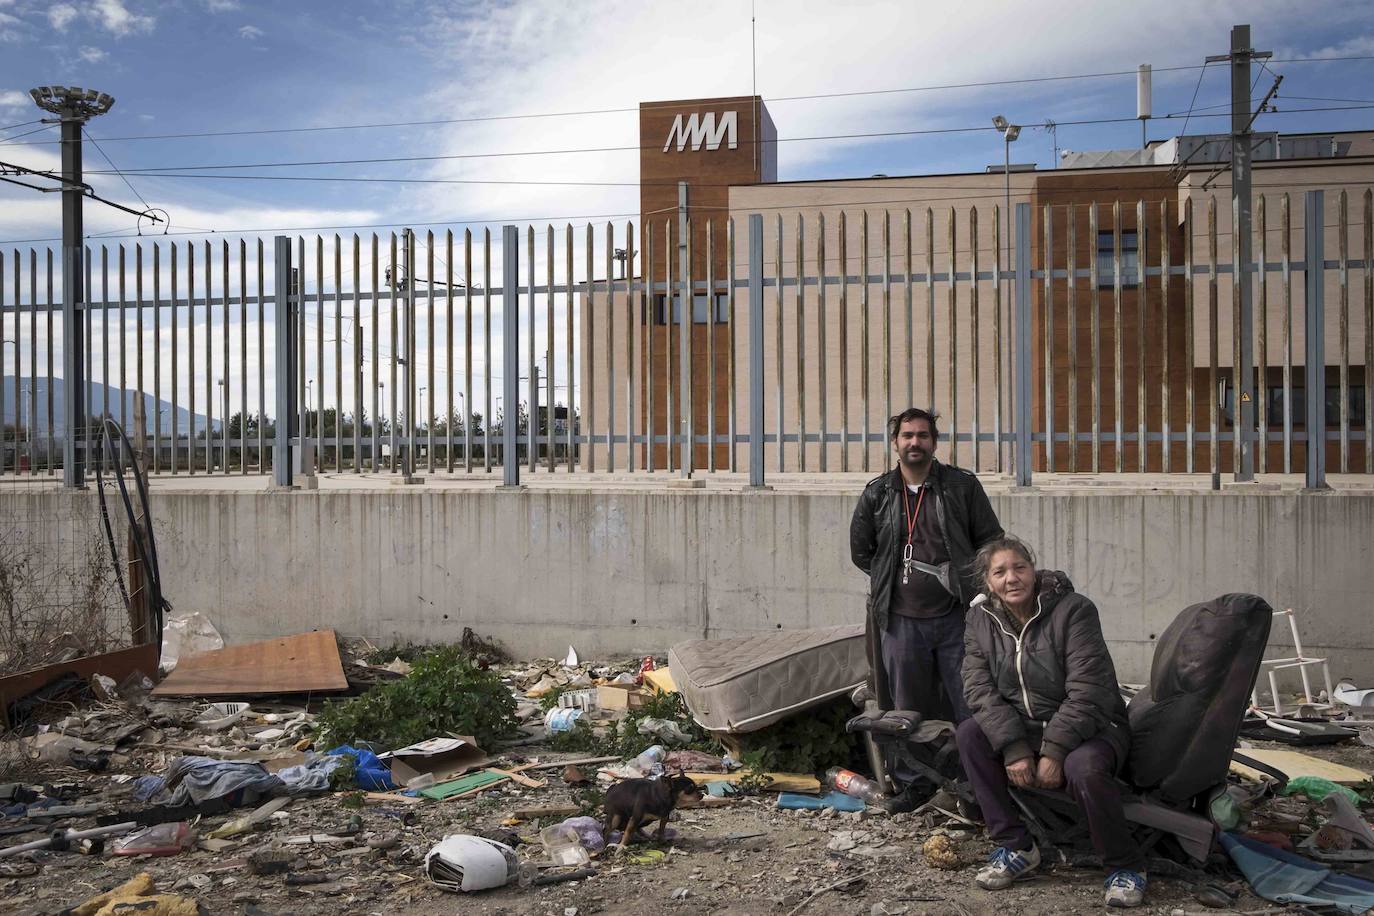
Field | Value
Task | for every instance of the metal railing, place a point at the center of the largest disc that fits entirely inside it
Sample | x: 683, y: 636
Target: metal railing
x: 1090, y: 338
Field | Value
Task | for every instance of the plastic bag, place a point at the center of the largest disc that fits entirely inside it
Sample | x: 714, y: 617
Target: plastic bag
x: 185, y: 635
x: 667, y: 731
x: 158, y: 840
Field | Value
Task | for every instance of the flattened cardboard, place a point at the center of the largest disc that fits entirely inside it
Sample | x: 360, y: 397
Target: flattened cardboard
x: 446, y: 758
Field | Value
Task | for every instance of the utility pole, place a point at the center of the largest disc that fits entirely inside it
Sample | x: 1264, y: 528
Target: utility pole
x: 73, y: 107
x: 1241, y: 120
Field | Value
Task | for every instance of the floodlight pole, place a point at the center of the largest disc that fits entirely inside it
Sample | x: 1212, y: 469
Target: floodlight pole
x: 73, y: 107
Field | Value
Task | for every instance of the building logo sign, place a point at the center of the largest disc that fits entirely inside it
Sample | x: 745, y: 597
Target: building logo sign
x: 703, y: 130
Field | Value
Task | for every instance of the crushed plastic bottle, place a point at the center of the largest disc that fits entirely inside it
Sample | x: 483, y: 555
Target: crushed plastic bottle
x: 650, y: 760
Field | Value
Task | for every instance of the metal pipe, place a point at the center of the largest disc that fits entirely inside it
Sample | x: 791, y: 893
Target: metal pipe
x: 778, y: 342
x: 1118, y: 370
x: 1164, y: 281
x: 822, y: 357
x: 1343, y: 252
x: 843, y: 244
x: 801, y: 343
x: 1212, y: 342
x: 756, y: 420
x: 1189, y: 336
x: 1022, y: 401
x: 974, y: 336
x: 1071, y: 328
x: 865, y: 400
x: 1315, y: 368
x: 952, y: 292
x: 1047, y: 296
x: 1141, y: 298
x: 510, y: 367
x: 1285, y: 217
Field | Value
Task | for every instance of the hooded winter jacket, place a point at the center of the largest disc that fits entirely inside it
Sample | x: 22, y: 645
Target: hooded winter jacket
x: 1048, y: 687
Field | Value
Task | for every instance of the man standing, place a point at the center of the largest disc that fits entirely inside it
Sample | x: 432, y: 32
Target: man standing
x: 921, y: 516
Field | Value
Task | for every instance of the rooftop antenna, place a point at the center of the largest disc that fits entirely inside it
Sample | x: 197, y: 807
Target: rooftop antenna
x: 754, y: 76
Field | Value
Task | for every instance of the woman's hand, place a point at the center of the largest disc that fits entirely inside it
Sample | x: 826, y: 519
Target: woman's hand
x: 1022, y: 773
x: 1049, y: 774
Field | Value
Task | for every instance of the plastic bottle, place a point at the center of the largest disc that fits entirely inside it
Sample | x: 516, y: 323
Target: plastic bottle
x: 422, y: 781
x: 650, y: 759
x: 851, y: 783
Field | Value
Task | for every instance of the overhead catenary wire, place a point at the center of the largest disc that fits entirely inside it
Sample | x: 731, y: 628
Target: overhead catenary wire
x: 985, y: 84
x: 613, y: 149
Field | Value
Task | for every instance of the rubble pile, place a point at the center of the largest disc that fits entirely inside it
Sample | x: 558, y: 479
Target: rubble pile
x: 115, y: 799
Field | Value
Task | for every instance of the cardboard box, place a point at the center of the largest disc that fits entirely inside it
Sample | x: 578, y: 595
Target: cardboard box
x: 617, y: 696
x: 446, y: 758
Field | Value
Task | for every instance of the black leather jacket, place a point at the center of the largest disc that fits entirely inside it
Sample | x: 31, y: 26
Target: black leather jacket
x: 876, y: 533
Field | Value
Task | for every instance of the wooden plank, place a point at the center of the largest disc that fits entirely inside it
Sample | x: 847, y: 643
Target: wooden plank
x: 782, y: 782
x: 1295, y: 764
x: 305, y: 663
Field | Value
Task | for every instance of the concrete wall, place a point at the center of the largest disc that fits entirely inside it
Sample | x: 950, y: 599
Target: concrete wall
x: 634, y: 571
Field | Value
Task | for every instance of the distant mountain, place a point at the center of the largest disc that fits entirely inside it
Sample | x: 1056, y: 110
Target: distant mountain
x: 98, y: 393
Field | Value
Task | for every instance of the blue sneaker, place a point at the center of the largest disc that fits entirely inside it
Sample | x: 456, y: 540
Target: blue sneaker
x: 1125, y: 888
x: 1006, y: 866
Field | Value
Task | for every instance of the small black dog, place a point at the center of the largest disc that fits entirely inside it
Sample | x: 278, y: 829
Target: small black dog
x: 634, y: 803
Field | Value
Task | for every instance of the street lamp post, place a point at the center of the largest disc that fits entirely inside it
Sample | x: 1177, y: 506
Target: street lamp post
x: 1009, y: 133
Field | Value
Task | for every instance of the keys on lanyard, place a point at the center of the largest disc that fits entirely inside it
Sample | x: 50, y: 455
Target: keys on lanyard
x: 906, y: 563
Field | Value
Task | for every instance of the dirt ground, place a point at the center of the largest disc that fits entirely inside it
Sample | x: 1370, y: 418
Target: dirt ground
x: 746, y: 856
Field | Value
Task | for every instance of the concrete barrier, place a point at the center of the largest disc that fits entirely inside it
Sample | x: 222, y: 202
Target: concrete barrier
x: 628, y: 571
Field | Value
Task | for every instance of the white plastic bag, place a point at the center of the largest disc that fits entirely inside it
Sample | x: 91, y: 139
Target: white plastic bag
x: 185, y: 635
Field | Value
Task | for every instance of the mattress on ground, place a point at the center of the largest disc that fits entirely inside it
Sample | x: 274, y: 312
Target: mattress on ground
x: 748, y: 682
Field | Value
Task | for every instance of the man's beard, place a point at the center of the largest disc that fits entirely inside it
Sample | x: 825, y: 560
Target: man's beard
x: 915, y: 457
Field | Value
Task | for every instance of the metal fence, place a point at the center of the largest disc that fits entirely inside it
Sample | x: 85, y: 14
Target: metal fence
x: 1086, y: 338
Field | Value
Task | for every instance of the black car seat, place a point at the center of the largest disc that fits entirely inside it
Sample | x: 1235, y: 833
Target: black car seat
x: 1184, y: 724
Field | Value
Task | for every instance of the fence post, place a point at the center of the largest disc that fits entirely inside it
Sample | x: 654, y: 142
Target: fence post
x: 1021, y: 384
x: 1315, y: 332
x: 284, y: 370
x: 756, y: 479
x: 510, y: 345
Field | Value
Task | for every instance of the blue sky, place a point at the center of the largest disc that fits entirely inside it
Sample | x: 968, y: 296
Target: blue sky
x: 224, y: 65
x: 201, y: 66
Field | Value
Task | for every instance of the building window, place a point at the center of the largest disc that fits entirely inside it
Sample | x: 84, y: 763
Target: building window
x: 700, y: 312
x: 1130, y: 259
x: 1274, y: 395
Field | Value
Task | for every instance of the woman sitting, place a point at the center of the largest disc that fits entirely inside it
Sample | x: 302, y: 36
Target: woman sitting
x: 1046, y: 710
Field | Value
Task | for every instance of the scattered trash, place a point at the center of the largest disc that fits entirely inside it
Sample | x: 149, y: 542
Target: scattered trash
x: 851, y: 783
x: 463, y: 785
x: 619, y: 696
x: 588, y: 832
x: 184, y: 635
x: 583, y: 698
x: 159, y: 840
x: 463, y: 862
x: 563, y: 845
x: 1317, y: 788
x: 1346, y: 692
x: 574, y: 777
x: 369, y: 771
x: 836, y: 799
x: 571, y: 659
x: 441, y: 758
x: 1295, y: 764
x: 1284, y: 877
x: 665, y: 730
x: 138, y: 895
x: 562, y: 718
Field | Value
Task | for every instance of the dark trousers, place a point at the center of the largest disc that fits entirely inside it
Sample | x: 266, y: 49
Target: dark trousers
x: 1089, y: 774
x: 921, y: 654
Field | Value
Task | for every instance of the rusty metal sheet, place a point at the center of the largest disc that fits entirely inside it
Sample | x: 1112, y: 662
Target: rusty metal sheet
x: 118, y: 665
x: 306, y: 663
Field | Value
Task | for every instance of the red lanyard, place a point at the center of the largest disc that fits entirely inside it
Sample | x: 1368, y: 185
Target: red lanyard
x: 910, y: 516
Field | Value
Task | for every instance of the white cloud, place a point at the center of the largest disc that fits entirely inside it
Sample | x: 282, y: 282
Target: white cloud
x: 250, y: 33
x: 146, y: 117
x: 115, y: 18
x: 221, y: 6
x: 13, y: 100
x: 60, y: 15
x: 91, y: 55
